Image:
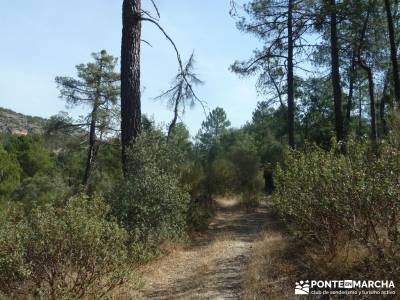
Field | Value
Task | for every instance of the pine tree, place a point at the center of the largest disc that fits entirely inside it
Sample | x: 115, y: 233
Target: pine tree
x: 281, y: 25
x: 97, y: 88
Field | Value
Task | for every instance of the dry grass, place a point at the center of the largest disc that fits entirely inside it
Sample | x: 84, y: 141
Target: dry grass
x: 183, y: 261
x: 348, y: 258
x: 268, y: 275
x: 167, y: 277
x: 277, y: 262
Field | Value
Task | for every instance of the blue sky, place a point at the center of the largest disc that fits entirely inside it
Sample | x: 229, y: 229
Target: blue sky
x: 42, y: 39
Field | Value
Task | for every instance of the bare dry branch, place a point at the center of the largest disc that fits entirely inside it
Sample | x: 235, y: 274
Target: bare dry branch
x: 155, y: 8
x: 178, y: 56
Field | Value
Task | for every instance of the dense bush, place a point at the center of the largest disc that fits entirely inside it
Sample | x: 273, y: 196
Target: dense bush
x: 14, y: 267
x: 31, y: 154
x: 200, y: 209
x: 232, y: 164
x: 151, y: 202
x: 9, y: 174
x: 194, y: 176
x: 243, y: 154
x: 334, y: 198
x: 67, y: 251
x: 223, y: 176
x: 41, y: 189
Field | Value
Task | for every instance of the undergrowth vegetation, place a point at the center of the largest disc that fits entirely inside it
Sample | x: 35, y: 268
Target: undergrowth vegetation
x: 60, y: 238
x: 62, y: 250
x: 346, y: 203
x: 151, y: 202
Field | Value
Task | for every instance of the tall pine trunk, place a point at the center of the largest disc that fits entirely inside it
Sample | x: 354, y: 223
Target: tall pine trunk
x: 371, y: 88
x: 290, y: 79
x: 359, y: 114
x: 351, y: 91
x: 91, y: 156
x: 393, y: 51
x: 130, y: 76
x: 382, y: 104
x: 371, y: 91
x: 337, y: 91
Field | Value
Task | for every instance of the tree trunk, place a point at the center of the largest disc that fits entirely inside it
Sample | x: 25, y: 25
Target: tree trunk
x: 337, y: 91
x: 393, y: 51
x: 130, y: 76
x: 351, y: 91
x: 371, y: 91
x: 290, y: 79
x: 91, y: 156
x: 382, y: 104
x: 360, y: 114
x: 92, y: 150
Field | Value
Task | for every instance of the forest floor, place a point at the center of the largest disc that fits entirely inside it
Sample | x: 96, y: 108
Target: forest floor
x: 214, y: 265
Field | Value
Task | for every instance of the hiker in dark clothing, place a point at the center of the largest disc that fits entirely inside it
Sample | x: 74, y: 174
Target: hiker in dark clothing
x: 268, y: 178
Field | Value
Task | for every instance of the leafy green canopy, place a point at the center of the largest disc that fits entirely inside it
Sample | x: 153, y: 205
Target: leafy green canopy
x: 10, y: 172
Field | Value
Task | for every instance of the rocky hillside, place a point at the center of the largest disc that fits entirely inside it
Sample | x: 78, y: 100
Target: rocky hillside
x: 16, y: 123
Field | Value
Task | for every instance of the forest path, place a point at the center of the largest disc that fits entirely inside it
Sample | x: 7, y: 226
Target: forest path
x: 212, y: 267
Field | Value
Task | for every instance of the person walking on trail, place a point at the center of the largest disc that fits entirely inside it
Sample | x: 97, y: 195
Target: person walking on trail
x: 268, y: 178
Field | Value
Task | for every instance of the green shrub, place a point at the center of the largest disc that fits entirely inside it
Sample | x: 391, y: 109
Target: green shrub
x: 243, y: 154
x: 9, y: 174
x: 223, y: 176
x: 199, y: 214
x: 233, y: 165
x: 68, y: 251
x: 193, y: 176
x: 332, y: 197
x: 247, y: 163
x: 31, y: 154
x: 310, y: 192
x: 41, y: 189
x: 14, y: 230
x: 151, y: 202
x: 200, y: 209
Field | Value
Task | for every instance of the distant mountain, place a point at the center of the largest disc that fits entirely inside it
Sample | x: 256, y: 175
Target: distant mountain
x: 15, y: 123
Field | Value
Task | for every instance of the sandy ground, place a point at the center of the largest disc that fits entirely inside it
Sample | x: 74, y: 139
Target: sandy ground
x: 212, y: 267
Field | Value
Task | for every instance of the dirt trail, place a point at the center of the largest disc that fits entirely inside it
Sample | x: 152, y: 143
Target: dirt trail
x: 212, y: 267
